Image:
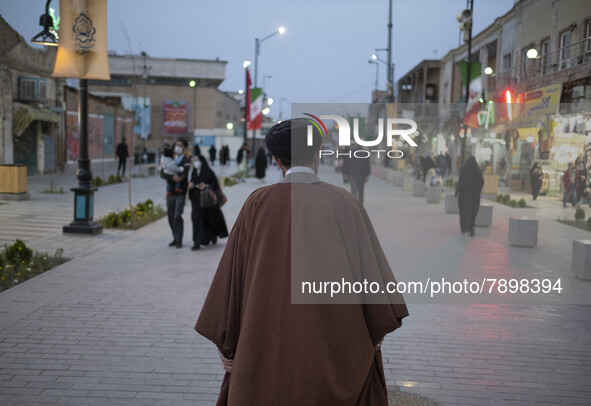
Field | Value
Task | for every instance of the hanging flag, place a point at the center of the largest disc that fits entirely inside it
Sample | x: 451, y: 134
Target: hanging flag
x: 473, y: 106
x: 82, y: 51
x: 255, y: 121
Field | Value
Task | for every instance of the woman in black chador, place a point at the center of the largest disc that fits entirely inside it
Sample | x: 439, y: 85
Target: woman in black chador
x: 260, y: 164
x: 535, y: 179
x: 208, y: 223
x: 468, y: 194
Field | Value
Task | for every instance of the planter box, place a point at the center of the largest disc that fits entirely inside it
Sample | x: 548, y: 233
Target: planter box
x: 418, y: 188
x: 13, y: 179
x: 523, y: 232
x: 451, y: 203
x: 581, y: 259
x: 484, y: 216
x: 398, y: 179
x: 407, y: 183
x: 433, y: 194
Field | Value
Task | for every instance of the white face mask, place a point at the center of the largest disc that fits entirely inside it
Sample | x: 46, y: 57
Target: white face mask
x: 197, y: 165
x: 178, y: 150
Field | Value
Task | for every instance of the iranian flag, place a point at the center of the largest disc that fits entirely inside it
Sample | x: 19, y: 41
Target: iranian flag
x: 255, y: 119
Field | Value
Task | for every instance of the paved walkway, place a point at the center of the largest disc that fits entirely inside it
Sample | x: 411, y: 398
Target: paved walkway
x: 115, y: 326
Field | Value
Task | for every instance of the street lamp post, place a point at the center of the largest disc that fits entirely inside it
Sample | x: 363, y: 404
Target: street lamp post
x: 390, y: 69
x: 377, y: 72
x: 257, y: 51
x: 245, y: 65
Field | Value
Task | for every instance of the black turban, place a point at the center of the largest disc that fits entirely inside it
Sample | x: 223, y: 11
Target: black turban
x: 288, y: 141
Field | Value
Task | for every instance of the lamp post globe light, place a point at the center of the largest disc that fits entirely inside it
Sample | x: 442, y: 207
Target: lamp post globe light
x: 532, y: 53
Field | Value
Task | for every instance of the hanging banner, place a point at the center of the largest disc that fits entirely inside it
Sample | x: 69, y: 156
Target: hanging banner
x: 175, y: 118
x: 542, y: 101
x: 82, y: 51
x: 473, y: 106
x: 255, y: 119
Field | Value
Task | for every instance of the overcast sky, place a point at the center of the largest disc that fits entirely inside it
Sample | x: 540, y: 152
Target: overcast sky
x: 322, y: 57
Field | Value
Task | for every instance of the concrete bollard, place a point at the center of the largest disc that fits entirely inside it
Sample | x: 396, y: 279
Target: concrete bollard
x: 418, y: 188
x: 451, y: 203
x: 523, y: 232
x: 433, y: 194
x: 581, y: 259
x: 390, y: 175
x: 398, y: 179
x: 407, y: 184
x: 484, y: 216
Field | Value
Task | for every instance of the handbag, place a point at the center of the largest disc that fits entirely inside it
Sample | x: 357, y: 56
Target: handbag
x: 208, y: 198
x: 221, y: 198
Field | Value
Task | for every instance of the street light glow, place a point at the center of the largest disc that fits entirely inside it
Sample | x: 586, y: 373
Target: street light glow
x: 270, y: 101
x: 488, y: 70
x: 192, y: 83
x: 245, y: 64
x: 281, y: 30
x: 229, y: 126
x: 532, y: 53
x: 266, y: 111
x: 374, y: 57
x: 240, y: 91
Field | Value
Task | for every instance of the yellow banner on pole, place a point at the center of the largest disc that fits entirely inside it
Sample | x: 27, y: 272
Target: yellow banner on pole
x: 82, y: 51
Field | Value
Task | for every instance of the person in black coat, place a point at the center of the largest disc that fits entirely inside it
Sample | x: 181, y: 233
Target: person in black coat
x: 122, y: 153
x: 468, y: 193
x: 208, y: 223
x: 212, y: 154
x: 535, y: 179
x: 260, y: 164
x: 356, y: 171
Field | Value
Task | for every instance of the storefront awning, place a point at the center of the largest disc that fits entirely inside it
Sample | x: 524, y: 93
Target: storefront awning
x: 24, y: 115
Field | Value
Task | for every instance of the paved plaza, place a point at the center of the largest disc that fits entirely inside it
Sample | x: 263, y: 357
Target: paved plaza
x: 114, y: 325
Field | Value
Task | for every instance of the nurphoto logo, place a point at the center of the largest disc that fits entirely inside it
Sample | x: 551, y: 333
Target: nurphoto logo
x: 344, y: 139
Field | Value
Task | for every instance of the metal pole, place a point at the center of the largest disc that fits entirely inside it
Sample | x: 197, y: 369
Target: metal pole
x: 470, y: 5
x: 390, y: 78
x: 245, y: 106
x: 257, y: 49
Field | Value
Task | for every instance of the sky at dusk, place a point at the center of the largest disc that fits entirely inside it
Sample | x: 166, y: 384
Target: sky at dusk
x: 322, y: 57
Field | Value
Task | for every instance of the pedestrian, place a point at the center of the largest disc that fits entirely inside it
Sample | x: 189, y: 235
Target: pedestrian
x: 582, y: 185
x: 196, y: 150
x: 212, y: 154
x: 175, y: 202
x: 468, y: 192
x: 209, y: 223
x: 242, y: 161
x: 274, y: 351
x: 442, y: 163
x: 356, y: 171
x: 535, y: 179
x: 223, y: 155
x: 122, y: 153
x: 570, y: 180
x: 260, y: 164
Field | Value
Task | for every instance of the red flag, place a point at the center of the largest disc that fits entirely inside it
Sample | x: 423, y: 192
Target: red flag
x: 248, y: 83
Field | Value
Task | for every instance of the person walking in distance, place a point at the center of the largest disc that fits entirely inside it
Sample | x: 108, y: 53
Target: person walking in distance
x: 122, y: 153
x: 468, y: 193
x: 356, y: 171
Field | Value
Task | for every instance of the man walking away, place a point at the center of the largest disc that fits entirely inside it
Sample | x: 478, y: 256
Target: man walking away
x: 356, y: 171
x: 570, y: 179
x: 122, y: 153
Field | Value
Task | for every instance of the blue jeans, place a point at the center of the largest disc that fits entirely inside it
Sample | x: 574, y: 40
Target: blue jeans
x: 565, y: 197
x: 175, y: 205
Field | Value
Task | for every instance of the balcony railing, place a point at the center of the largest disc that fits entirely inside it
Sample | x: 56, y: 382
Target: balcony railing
x: 572, y: 56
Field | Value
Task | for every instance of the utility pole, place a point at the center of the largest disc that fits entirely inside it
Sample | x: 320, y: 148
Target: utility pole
x: 390, y: 71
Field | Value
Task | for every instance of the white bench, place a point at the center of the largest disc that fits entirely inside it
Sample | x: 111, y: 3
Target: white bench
x: 484, y: 216
x: 451, y: 203
x: 418, y: 188
x: 145, y: 170
x: 523, y: 232
x: 433, y: 194
x: 581, y: 259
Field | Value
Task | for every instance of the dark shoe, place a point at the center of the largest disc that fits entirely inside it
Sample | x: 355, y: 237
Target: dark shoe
x: 471, y: 233
x: 214, y: 240
x: 172, y: 244
x: 179, y: 244
x: 195, y: 247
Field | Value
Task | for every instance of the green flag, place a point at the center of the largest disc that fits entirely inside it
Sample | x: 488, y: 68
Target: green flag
x: 475, y: 70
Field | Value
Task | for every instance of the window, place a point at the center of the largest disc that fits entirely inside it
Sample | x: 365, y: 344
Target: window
x: 545, y: 55
x: 507, y: 64
x: 32, y: 89
x: 565, y: 49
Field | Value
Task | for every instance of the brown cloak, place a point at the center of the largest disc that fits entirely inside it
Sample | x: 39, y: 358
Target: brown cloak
x: 296, y: 354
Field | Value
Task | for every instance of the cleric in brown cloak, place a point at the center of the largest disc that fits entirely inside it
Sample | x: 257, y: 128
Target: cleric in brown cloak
x: 276, y: 352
